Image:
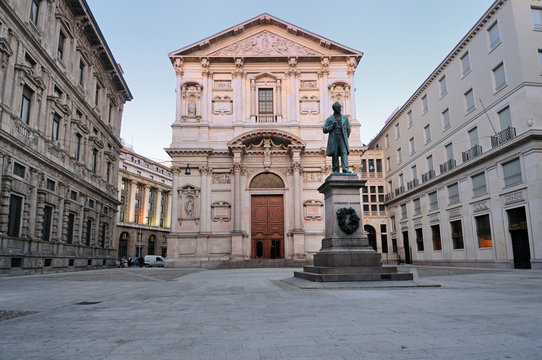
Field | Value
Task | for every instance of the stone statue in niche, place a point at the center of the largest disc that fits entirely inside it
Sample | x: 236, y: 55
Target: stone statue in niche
x: 191, y: 107
x: 189, y: 208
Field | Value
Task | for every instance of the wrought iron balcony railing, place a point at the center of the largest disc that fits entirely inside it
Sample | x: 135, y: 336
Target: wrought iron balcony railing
x: 506, y: 135
x: 428, y: 175
x: 447, y: 166
x: 412, y: 184
x: 472, y: 153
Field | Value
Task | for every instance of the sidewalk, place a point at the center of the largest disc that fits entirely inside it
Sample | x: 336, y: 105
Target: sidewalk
x: 250, y: 314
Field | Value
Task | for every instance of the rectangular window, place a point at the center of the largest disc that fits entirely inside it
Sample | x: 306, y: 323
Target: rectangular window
x: 419, y: 239
x: 494, y: 37
x: 102, y: 235
x: 47, y: 218
x: 371, y: 163
x: 81, y: 72
x: 73, y: 195
x: 399, y: 156
x: 96, y: 93
x: 469, y: 100
x: 505, y: 119
x: 442, y: 83
x: 94, y: 160
x: 388, y: 163
x: 91, y: 203
x: 60, y: 47
x: 108, y: 172
x: 424, y: 104
x: 449, y: 151
x: 15, y: 215
x: 122, y: 200
x: 453, y: 194
x: 435, y: 232
x: 363, y: 165
x: 394, y: 245
x: 540, y: 59
x: 479, y: 185
x: 483, y: 230
x: 401, y: 180
x: 457, y: 234
x: 88, y: 232
x: 25, y: 104
x: 71, y: 224
x: 427, y: 132
x: 429, y: 161
x: 137, y: 203
x: 537, y: 18
x: 433, y: 201
x: 393, y: 228
x: 56, y: 125
x: 414, y: 170
x: 397, y: 131
x: 465, y: 64
x: 499, y: 77
x: 136, y: 220
x: 512, y: 172
x: 19, y: 169
x: 417, y: 207
x: 403, y: 211
x: 387, y: 138
x: 378, y: 165
x: 473, y: 137
x: 445, y: 119
x: 50, y: 185
x: 77, y: 146
x: 411, y: 145
x: 265, y: 101
x: 34, y: 9
x: 122, y: 216
x: 384, y: 239
x: 409, y: 114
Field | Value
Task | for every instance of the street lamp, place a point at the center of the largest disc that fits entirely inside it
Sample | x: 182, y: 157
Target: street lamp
x: 187, y: 170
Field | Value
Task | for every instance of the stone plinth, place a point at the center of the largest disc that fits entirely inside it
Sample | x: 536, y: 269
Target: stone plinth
x: 345, y: 254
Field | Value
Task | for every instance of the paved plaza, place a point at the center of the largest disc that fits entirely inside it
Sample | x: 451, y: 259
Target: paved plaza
x: 252, y: 314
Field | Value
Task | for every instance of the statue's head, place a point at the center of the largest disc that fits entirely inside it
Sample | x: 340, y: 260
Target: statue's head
x: 336, y: 107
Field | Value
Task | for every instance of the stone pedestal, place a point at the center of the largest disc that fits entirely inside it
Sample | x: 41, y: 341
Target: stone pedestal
x: 345, y: 254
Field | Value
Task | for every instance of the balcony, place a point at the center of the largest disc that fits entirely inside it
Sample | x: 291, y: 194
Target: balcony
x: 266, y: 119
x: 388, y: 196
x: 447, y: 166
x: 399, y: 190
x: 472, y: 153
x: 428, y: 175
x: 506, y: 135
x: 371, y: 175
x: 412, y: 184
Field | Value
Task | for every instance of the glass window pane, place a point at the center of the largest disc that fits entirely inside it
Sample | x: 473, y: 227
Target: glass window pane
x: 512, y: 172
x: 504, y: 118
x: 479, y: 184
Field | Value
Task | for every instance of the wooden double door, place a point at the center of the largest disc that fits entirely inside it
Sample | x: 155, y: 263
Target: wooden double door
x: 267, y: 226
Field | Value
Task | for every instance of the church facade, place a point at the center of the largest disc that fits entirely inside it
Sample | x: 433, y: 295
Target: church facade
x: 248, y: 151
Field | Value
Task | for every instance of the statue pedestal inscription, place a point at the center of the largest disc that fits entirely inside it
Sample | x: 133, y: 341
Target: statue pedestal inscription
x: 345, y: 254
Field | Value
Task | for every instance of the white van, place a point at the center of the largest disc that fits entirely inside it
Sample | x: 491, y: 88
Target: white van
x: 154, y: 260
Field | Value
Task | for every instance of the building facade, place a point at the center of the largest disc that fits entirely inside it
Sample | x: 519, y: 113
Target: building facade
x: 463, y: 156
x: 143, y: 220
x: 61, y: 102
x: 251, y: 104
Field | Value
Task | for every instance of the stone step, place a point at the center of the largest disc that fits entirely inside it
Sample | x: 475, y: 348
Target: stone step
x: 353, y: 277
x: 263, y: 263
x: 350, y: 270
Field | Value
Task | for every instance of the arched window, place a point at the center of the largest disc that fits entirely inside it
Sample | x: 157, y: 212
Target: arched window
x: 123, y: 244
x: 266, y: 180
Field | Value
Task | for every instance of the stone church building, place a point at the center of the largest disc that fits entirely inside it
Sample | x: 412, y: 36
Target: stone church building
x: 248, y: 151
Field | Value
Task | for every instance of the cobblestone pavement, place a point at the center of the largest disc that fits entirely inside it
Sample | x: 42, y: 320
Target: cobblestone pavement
x: 243, y: 314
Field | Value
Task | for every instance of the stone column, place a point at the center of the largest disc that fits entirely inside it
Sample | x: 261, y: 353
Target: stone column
x: 61, y: 218
x: 167, y: 215
x: 292, y: 96
x: 205, y: 206
x: 279, y: 100
x: 131, y: 201
x: 146, y: 196
x: 237, y: 91
x: 325, y: 73
x: 157, y: 208
x: 178, y: 65
x: 352, y: 63
x: 253, y: 109
x: 35, y: 176
x: 174, y: 200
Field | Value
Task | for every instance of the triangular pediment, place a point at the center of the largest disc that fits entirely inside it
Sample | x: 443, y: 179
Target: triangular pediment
x: 266, y: 43
x: 265, y: 36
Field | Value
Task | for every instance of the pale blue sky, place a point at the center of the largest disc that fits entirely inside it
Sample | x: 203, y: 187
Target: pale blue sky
x: 403, y: 42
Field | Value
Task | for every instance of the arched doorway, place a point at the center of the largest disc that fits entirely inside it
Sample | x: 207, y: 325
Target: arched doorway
x: 151, y: 244
x: 371, y: 234
x: 123, y: 244
x: 267, y: 218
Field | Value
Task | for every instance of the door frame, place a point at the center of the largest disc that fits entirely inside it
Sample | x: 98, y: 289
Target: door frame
x: 261, y: 192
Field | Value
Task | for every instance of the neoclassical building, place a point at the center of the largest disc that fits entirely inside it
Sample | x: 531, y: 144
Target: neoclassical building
x: 248, y: 149
x: 143, y: 219
x: 463, y: 155
x: 61, y: 100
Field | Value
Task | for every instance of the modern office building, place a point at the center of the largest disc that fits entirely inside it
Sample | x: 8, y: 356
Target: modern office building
x: 61, y: 102
x: 463, y: 156
x: 143, y: 220
x: 251, y: 103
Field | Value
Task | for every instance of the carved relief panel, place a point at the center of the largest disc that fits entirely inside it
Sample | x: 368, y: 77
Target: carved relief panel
x: 313, y: 210
x: 220, y: 211
x: 340, y: 92
x: 222, y: 105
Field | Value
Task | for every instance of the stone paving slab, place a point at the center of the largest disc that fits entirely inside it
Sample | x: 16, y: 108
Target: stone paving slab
x: 243, y: 314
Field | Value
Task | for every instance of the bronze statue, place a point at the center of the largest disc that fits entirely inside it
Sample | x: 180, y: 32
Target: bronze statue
x: 338, y: 127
